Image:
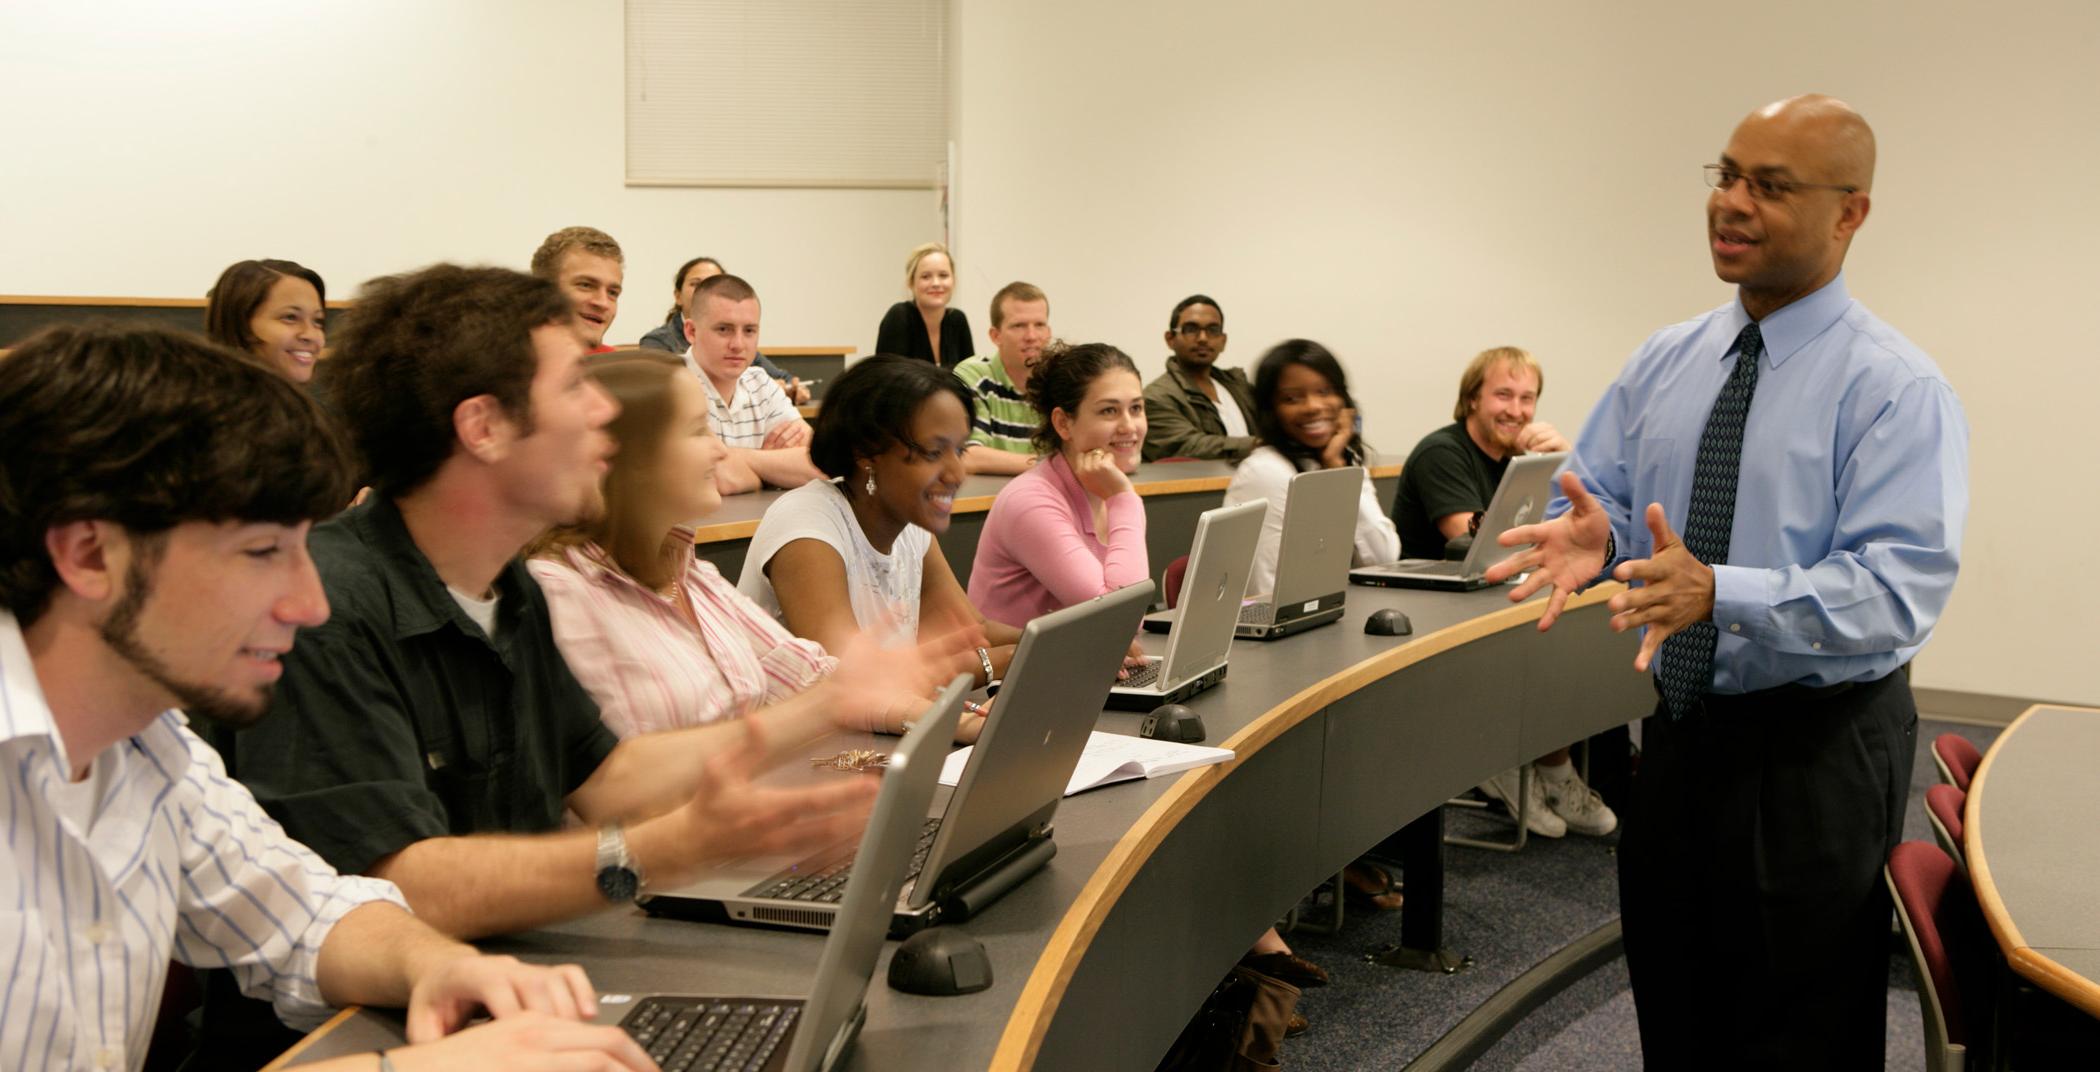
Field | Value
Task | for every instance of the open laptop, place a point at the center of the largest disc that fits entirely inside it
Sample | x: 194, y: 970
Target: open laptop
x: 1521, y: 498
x: 994, y: 830
x: 1199, y: 631
x: 1312, y: 556
x: 770, y: 1034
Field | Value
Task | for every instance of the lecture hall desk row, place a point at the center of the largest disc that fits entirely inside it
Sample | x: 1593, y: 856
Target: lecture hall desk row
x: 1159, y: 886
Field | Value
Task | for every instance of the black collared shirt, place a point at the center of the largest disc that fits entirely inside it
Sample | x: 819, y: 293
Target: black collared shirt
x: 400, y: 720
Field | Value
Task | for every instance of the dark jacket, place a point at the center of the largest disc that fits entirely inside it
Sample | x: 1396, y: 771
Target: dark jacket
x: 1182, y: 422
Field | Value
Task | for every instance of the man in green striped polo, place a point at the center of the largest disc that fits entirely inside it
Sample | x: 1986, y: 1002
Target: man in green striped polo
x: 999, y: 438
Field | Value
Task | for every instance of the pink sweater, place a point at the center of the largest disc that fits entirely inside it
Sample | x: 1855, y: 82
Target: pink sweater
x: 1039, y: 551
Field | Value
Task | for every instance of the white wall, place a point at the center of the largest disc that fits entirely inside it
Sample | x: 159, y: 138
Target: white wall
x: 145, y: 145
x: 1408, y: 182
x: 1412, y: 182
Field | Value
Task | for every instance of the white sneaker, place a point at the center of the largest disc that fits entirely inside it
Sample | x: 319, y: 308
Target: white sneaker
x: 1575, y: 802
x: 1538, y: 818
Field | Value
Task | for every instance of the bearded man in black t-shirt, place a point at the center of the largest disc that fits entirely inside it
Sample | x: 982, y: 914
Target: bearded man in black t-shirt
x: 1445, y: 486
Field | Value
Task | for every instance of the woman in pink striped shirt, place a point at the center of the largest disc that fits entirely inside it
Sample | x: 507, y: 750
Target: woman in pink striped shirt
x: 655, y: 633
x: 1071, y: 528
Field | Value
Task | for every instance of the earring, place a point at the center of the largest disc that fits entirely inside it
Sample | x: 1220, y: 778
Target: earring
x: 871, y: 482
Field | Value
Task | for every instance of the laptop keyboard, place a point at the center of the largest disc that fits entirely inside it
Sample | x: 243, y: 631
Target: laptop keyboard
x: 827, y: 883
x: 1141, y: 677
x: 683, y: 1034
x: 1258, y: 614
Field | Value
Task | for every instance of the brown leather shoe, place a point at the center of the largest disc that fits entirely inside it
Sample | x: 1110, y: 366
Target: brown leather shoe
x: 1296, y: 1027
x: 1369, y: 886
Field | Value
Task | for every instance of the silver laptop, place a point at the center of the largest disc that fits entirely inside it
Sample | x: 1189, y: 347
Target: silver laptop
x: 1199, y: 631
x: 1312, y: 556
x: 1521, y: 498
x: 994, y: 830
x: 771, y: 1034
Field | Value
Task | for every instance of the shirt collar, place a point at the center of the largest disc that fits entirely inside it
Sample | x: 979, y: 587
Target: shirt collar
x: 596, y: 564
x: 421, y: 603
x: 1788, y: 329
x: 1181, y: 378
x: 25, y: 713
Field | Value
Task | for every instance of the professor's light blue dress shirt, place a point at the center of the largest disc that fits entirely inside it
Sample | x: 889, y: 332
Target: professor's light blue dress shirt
x: 1853, y: 492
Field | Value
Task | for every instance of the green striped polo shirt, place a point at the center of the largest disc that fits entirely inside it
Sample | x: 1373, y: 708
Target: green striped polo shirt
x: 1005, y: 420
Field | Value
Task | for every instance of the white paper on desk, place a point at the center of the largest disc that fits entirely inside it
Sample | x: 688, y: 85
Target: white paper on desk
x: 1111, y: 758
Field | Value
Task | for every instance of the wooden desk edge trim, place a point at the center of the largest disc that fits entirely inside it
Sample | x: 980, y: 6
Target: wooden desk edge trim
x: 316, y: 1035
x: 2072, y: 987
x: 1044, y: 990
x: 2054, y: 977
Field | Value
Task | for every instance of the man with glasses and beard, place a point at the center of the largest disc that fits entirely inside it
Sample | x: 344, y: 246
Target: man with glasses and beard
x: 1196, y: 409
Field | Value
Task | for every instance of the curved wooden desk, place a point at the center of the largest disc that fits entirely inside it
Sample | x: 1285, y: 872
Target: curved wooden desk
x: 1159, y: 886
x: 2034, y: 851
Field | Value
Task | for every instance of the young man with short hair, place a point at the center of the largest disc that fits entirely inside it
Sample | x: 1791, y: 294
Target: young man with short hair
x: 767, y: 438
x: 155, y: 495
x: 589, y: 268
x: 1196, y: 409
x: 1000, y: 437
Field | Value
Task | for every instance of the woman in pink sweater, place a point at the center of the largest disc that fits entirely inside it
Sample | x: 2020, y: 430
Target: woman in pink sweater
x: 1071, y: 528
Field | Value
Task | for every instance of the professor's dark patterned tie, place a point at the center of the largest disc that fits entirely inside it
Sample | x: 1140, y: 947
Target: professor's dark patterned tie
x: 1687, y: 670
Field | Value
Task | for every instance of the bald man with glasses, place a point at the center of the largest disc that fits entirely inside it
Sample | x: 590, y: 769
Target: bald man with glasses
x: 1784, y: 480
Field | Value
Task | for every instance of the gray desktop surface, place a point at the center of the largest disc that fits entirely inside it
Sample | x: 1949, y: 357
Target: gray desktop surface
x: 2035, y: 835
x: 1378, y: 741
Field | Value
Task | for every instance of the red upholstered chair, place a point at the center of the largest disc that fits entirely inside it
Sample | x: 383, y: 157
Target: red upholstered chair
x: 1943, y: 804
x: 1176, y: 570
x: 1944, y: 930
x: 1956, y: 758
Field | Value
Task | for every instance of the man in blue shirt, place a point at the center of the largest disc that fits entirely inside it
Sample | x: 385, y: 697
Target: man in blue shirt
x: 1820, y: 542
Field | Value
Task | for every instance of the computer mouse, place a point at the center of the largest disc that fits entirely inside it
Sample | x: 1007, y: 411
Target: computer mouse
x: 940, y: 962
x: 1385, y: 621
x: 1172, y: 722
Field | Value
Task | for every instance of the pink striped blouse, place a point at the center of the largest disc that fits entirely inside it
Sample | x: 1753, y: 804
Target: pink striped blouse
x: 651, y: 667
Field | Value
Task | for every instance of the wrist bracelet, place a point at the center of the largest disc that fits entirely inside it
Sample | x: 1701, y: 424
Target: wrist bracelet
x: 984, y: 658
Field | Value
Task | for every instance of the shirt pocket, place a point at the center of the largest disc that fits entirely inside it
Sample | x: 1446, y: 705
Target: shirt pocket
x: 456, y: 767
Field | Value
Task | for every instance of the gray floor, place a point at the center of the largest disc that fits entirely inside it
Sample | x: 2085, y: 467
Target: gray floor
x: 1507, y: 913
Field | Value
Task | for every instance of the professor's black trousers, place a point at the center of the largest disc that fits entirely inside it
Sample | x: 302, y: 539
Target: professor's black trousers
x: 1756, y: 919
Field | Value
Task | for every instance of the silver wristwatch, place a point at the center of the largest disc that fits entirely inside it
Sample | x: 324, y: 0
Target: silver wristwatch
x: 619, y: 877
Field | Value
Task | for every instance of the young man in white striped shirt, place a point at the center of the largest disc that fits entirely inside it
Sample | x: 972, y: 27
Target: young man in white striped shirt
x: 155, y: 494
x: 767, y: 438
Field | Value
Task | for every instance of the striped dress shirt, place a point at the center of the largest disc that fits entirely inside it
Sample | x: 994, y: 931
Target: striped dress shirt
x: 652, y: 665
x: 181, y: 864
x: 759, y: 406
